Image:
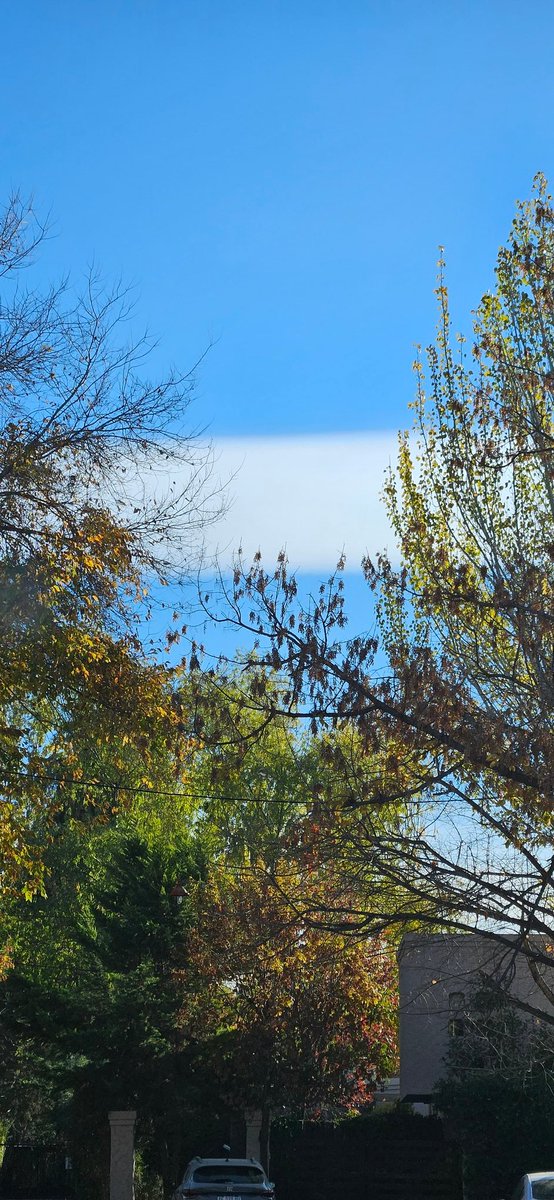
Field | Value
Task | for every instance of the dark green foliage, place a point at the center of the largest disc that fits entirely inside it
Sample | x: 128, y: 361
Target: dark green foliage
x: 498, y: 1095
x: 101, y: 1024
x: 504, y: 1126
x: 392, y: 1155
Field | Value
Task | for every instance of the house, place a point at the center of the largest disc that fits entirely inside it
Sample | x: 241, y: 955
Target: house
x: 437, y: 975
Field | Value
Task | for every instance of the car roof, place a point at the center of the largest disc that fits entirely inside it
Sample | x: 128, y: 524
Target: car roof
x: 221, y: 1162
x: 540, y: 1175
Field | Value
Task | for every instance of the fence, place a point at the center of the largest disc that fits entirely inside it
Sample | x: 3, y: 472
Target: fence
x: 387, y: 1155
x: 30, y: 1172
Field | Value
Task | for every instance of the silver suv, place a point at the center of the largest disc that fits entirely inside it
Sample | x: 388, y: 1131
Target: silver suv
x: 220, y: 1178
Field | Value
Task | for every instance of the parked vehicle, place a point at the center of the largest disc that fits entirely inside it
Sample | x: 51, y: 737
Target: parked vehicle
x: 538, y: 1185
x: 221, y: 1178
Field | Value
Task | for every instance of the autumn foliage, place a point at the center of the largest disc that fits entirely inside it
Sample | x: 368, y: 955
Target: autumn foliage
x: 82, y: 539
x: 451, y: 693
x: 311, y: 1015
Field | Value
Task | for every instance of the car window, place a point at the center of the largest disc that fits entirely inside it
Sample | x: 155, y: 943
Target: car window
x: 543, y: 1189
x: 228, y: 1173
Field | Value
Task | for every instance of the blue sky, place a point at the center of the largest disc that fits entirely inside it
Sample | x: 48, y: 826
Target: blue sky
x: 275, y: 176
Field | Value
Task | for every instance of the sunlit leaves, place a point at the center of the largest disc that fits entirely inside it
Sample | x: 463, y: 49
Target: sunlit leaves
x: 82, y: 536
x: 311, y: 1015
x: 451, y: 690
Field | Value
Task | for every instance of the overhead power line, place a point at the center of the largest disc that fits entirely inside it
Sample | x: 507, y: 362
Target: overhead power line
x: 133, y: 789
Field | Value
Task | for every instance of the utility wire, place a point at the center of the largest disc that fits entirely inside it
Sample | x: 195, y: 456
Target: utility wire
x: 231, y: 799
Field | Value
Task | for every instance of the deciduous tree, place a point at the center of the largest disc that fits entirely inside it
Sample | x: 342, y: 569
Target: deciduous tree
x: 452, y: 695
x: 101, y: 492
x: 311, y: 1021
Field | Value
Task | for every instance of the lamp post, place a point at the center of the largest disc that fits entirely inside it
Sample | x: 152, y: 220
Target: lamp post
x: 178, y: 892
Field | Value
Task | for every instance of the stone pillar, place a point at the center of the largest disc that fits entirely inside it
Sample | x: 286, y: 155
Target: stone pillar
x: 253, y: 1119
x: 122, y: 1155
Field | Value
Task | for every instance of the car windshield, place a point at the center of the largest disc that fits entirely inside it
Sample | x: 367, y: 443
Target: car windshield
x: 543, y: 1189
x: 228, y: 1173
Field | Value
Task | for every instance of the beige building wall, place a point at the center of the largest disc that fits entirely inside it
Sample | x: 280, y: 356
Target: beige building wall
x: 436, y: 974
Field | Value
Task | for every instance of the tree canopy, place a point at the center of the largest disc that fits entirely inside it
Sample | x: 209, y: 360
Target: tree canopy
x: 452, y: 693
x: 102, y: 491
x: 160, y: 974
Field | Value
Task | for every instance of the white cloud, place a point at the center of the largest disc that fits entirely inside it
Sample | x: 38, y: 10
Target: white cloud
x: 313, y: 495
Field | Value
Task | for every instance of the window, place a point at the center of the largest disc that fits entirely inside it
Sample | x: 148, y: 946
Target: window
x: 228, y: 1173
x: 543, y: 1189
x: 456, y: 1024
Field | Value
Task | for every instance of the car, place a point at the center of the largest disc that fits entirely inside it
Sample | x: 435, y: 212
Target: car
x: 538, y: 1185
x: 220, y: 1178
